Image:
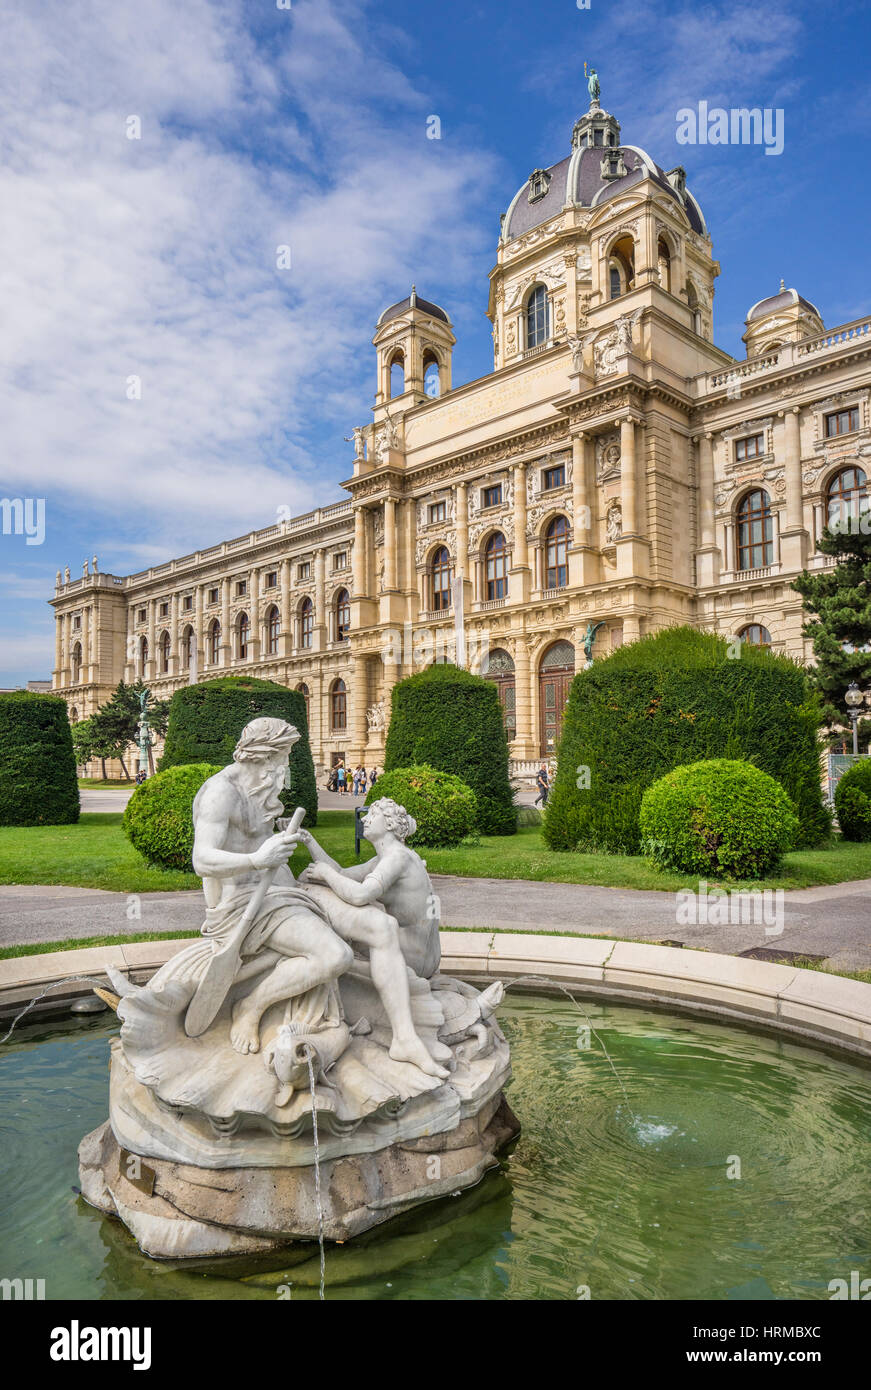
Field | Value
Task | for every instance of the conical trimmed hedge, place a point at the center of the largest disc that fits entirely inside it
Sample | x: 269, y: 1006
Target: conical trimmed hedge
x: 205, y: 722
x: 452, y: 720
x: 679, y: 697
x: 38, y: 784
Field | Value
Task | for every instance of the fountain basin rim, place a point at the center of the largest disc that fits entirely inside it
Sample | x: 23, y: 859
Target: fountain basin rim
x: 805, y: 1004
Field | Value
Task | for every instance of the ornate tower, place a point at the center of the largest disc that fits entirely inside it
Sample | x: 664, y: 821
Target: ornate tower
x: 414, y: 342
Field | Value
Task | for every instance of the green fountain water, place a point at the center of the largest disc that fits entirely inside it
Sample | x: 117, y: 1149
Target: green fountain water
x: 628, y: 1197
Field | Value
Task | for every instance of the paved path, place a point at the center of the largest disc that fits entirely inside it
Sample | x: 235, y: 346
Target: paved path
x: 116, y: 798
x: 832, y: 922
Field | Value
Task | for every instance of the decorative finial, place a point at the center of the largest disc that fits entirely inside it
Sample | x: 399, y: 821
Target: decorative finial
x: 782, y: 285
x: 413, y: 300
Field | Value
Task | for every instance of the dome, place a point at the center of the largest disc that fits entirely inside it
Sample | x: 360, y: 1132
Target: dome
x: 585, y: 179
x: 412, y: 301
x: 776, y: 303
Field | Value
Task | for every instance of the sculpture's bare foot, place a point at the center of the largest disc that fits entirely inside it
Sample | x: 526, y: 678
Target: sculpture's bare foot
x: 245, y: 1032
x: 412, y: 1050
x: 441, y: 1051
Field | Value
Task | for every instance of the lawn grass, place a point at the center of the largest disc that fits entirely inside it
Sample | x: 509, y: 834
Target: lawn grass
x: 96, y: 854
x: 115, y: 782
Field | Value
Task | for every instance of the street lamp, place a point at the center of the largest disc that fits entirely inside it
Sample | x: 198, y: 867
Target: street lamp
x: 855, y: 700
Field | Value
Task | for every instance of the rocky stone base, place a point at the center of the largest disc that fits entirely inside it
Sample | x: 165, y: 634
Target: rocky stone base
x: 180, y: 1211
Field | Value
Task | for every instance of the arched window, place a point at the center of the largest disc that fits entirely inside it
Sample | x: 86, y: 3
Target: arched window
x: 306, y: 622
x: 621, y: 267
x: 693, y: 302
x: 755, y: 531
x: 397, y: 375
x: 214, y: 644
x: 306, y: 695
x: 164, y: 653
x: 74, y: 715
x: 556, y: 575
x: 536, y: 317
x: 441, y: 575
x: 188, y: 647
x: 756, y: 635
x: 431, y: 375
x: 77, y: 662
x: 243, y: 628
x: 143, y: 655
x: 847, y: 497
x: 273, y: 628
x: 338, y: 706
x: 343, y: 616
x: 663, y: 263
x: 495, y: 563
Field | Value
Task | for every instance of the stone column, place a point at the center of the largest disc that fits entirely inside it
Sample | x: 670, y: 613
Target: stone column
x: 255, y: 643
x: 795, y: 542
x: 462, y: 530
x: 358, y: 693
x: 226, y: 635
x: 199, y: 634
x: 57, y: 674
x: 175, y: 663
x: 130, y: 655
x: 358, y: 556
x: 524, y: 745
x: 628, y: 478
x: 580, y: 492
x: 151, y: 668
x: 390, y: 569
x: 288, y: 636
x: 708, y: 554
x: 520, y: 577
x: 320, y: 636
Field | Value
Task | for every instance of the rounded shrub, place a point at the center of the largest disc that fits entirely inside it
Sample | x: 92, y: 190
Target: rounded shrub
x: 679, y: 696
x: 853, y: 801
x: 720, y: 817
x: 38, y: 784
x: 205, y: 721
x: 451, y: 719
x: 444, y: 807
x: 159, y: 821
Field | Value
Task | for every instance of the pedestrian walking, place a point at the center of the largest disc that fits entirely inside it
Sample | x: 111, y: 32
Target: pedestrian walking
x: 373, y: 777
x: 542, y: 781
x: 341, y: 780
x: 362, y: 791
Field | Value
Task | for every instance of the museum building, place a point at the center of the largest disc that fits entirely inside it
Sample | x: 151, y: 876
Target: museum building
x: 614, y: 474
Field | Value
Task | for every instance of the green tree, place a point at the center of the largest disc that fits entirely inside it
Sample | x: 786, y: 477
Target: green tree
x: 118, y: 720
x: 839, y: 602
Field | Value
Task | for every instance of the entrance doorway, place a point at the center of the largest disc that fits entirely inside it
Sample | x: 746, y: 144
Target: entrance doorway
x: 500, y: 670
x: 555, y: 672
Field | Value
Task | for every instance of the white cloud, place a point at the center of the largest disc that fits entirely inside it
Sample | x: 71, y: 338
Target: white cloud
x: 156, y: 258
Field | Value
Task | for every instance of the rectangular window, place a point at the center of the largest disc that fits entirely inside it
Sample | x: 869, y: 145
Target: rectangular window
x: 188, y: 602
x: 340, y: 560
x: 164, y: 610
x: 77, y: 622
x: 213, y: 596
x: 750, y: 448
x: 492, y: 496
x: 438, y: 512
x: 272, y: 579
x: 304, y: 570
x: 241, y: 588
x: 842, y: 421
x: 553, y: 477
x: 143, y: 614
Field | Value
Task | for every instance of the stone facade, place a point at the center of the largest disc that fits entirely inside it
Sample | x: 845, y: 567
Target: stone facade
x: 615, y: 468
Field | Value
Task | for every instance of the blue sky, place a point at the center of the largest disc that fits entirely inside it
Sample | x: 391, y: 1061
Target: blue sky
x: 263, y: 127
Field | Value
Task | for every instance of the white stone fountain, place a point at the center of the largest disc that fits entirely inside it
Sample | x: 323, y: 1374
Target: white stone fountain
x: 304, y: 1068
